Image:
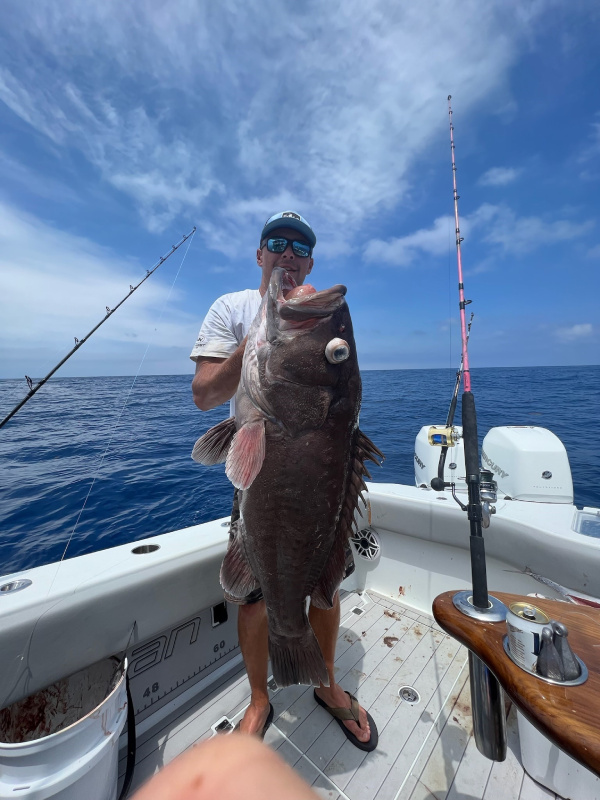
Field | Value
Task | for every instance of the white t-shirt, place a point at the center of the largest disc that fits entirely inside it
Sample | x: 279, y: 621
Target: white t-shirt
x: 226, y: 324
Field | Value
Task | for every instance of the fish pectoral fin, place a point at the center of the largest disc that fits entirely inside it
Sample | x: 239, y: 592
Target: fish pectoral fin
x: 237, y: 577
x: 212, y: 448
x: 246, y: 454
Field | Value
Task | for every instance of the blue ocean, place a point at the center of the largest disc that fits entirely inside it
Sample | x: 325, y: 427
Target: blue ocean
x: 96, y: 462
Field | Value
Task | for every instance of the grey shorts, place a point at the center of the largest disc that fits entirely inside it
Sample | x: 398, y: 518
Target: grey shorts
x: 256, y: 594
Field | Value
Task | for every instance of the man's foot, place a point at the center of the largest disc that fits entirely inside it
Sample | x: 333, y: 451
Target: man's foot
x: 256, y: 720
x: 335, y: 698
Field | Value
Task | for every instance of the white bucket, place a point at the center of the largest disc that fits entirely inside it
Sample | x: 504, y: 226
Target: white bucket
x: 63, y: 742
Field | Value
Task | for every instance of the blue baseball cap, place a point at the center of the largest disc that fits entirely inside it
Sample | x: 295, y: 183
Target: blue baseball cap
x: 289, y: 219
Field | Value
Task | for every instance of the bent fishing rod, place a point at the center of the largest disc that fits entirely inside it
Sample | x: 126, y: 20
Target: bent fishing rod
x: 79, y: 342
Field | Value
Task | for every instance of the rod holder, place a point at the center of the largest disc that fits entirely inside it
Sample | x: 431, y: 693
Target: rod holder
x: 489, y: 717
x: 487, y: 697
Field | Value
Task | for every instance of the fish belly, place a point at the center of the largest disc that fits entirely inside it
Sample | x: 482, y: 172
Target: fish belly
x: 289, y: 516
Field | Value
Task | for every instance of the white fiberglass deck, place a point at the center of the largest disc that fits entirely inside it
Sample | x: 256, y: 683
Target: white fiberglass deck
x: 426, y: 751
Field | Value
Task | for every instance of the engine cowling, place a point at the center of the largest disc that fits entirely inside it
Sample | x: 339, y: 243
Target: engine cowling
x: 529, y: 463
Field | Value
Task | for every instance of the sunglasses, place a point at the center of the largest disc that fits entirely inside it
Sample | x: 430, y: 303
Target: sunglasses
x: 280, y: 244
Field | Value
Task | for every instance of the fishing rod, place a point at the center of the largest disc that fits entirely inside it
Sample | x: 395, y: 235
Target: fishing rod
x: 79, y: 342
x: 489, y: 718
x: 469, y: 420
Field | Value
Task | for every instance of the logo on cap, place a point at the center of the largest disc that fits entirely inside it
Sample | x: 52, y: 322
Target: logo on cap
x: 291, y: 214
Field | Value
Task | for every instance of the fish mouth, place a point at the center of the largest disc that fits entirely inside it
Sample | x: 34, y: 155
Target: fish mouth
x: 304, y: 311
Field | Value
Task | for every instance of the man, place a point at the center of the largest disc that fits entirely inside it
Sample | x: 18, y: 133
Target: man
x: 287, y: 241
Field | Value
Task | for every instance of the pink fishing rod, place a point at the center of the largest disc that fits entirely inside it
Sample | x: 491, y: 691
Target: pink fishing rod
x: 469, y: 423
x: 461, y: 289
x: 489, y: 719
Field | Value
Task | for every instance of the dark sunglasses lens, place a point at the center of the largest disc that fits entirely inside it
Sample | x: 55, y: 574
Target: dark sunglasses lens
x: 301, y: 249
x: 276, y: 245
x: 279, y: 245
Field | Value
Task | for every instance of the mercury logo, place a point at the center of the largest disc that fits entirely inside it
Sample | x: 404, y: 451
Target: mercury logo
x: 494, y: 467
x: 419, y: 462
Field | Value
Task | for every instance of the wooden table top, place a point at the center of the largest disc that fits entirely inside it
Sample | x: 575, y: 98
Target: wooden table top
x: 568, y: 715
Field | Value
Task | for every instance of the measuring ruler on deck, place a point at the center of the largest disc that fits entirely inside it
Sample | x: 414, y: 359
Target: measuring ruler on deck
x: 171, y: 663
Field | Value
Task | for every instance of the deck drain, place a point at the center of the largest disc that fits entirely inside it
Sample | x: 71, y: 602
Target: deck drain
x: 367, y: 544
x: 223, y: 725
x: 272, y: 684
x: 358, y: 611
x: 409, y: 695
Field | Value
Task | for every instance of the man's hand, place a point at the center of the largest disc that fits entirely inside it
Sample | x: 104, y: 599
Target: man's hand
x: 216, y: 379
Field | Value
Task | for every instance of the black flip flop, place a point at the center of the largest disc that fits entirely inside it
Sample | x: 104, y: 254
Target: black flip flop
x: 340, y: 714
x: 267, y: 724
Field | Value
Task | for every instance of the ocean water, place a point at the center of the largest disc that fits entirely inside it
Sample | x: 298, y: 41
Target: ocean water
x: 96, y: 462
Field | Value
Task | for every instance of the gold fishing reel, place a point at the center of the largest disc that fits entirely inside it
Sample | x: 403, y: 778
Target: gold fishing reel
x: 442, y: 437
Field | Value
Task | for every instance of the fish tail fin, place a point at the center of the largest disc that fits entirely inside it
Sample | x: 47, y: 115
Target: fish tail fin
x: 298, y: 660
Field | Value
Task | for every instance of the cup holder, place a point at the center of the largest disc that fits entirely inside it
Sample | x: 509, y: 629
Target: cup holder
x: 575, y: 682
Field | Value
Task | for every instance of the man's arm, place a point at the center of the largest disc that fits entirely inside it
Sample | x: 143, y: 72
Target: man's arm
x: 216, y: 379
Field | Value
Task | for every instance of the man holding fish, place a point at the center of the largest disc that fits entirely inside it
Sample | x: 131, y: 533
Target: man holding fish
x: 295, y: 454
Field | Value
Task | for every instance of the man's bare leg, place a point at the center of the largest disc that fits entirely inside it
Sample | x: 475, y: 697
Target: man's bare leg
x: 254, y: 644
x: 326, y: 624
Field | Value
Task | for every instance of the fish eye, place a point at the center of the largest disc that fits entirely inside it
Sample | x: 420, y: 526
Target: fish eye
x: 337, y: 351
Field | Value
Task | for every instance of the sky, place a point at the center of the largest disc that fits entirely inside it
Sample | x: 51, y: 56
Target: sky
x: 124, y: 125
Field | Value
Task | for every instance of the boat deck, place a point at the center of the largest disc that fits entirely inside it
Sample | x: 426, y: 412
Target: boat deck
x: 426, y: 749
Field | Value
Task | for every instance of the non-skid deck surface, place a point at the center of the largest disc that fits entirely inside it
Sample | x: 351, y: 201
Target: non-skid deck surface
x: 426, y: 750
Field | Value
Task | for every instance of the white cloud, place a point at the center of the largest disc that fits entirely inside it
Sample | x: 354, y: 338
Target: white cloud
x: 499, y: 176
x: 497, y: 225
x: 402, y: 251
x: 197, y: 107
x: 55, y: 286
x: 520, y: 235
x: 594, y: 252
x: 575, y: 333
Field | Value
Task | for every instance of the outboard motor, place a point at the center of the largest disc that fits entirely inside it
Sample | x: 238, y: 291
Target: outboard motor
x: 426, y: 460
x: 529, y: 463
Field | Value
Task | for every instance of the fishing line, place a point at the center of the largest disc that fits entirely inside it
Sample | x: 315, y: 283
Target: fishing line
x: 79, y: 342
x: 123, y: 407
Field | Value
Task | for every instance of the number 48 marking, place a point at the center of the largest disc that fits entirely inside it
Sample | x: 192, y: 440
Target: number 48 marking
x: 153, y: 689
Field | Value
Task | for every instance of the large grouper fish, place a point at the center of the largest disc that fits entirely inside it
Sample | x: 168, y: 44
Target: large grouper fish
x: 295, y: 452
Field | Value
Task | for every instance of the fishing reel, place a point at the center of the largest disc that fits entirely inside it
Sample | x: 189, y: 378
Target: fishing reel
x: 443, y: 437
x: 488, y: 494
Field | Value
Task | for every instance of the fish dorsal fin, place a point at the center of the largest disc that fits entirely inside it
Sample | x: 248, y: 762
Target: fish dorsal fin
x: 212, y: 448
x: 246, y: 454
x: 333, y: 573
